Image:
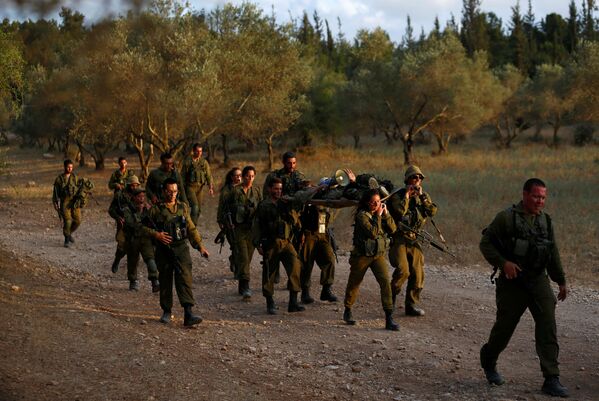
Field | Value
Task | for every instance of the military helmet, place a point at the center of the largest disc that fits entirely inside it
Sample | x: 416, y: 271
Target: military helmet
x: 133, y: 180
x: 413, y: 170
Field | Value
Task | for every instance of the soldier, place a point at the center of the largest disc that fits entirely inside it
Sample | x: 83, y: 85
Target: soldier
x: 120, y: 176
x: 137, y: 242
x: 289, y: 175
x: 520, y: 245
x: 121, y: 201
x: 242, y: 203
x: 196, y: 174
x: 170, y: 225
x: 410, y: 207
x: 373, y: 223
x: 223, y: 216
x: 272, y: 234
x: 154, y: 186
x: 64, y: 191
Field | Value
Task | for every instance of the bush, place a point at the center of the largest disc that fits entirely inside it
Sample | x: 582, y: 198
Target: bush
x: 583, y: 134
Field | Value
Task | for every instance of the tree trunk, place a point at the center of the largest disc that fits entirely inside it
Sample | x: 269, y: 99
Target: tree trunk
x: 442, y: 143
x: 408, y: 149
x: 556, y: 127
x: 356, y: 141
x: 225, y: 145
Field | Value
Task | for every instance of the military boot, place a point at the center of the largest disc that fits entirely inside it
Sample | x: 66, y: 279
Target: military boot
x: 347, y: 317
x: 306, y: 298
x: 327, y: 294
x: 118, y: 255
x: 71, y: 240
x: 490, y: 369
x: 389, y: 323
x: 412, y: 310
x: 189, y: 319
x: 133, y: 285
x: 271, y: 308
x: 553, y: 387
x: 155, y: 285
x: 246, y: 293
x: 166, y: 317
x: 66, y: 241
x: 239, y: 287
x: 294, y: 306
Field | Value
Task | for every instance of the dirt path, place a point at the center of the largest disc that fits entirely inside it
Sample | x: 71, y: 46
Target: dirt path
x: 72, y: 331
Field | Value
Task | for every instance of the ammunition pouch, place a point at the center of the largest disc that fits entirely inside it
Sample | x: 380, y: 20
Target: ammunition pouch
x: 375, y: 247
x: 176, y: 228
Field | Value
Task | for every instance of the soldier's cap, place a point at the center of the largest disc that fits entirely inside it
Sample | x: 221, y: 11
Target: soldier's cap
x: 137, y: 191
x: 411, y: 171
x: 133, y: 180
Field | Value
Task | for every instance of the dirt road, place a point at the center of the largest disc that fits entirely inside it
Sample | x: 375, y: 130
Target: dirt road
x: 71, y: 330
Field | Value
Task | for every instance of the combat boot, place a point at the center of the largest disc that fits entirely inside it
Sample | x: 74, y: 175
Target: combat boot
x: 306, y: 298
x: 66, y: 242
x: 118, y: 255
x: 294, y: 306
x: 246, y: 293
x: 493, y: 376
x: 347, y: 317
x: 553, y: 387
x: 327, y: 294
x: 271, y: 308
x: 155, y: 285
x: 414, y: 311
x: 133, y: 285
x: 71, y: 240
x: 166, y: 317
x: 189, y: 319
x: 389, y: 323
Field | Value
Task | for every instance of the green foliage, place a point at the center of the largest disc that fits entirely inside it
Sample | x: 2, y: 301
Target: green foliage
x: 583, y: 134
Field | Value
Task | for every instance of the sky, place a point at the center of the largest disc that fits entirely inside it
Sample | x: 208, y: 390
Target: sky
x: 391, y: 15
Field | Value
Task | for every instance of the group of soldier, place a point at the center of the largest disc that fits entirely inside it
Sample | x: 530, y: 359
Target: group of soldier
x: 288, y: 221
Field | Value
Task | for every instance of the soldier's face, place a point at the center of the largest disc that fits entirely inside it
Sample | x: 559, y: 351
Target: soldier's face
x: 170, y: 193
x: 123, y: 164
x: 290, y: 164
x: 168, y: 164
x: 276, y: 191
x: 68, y: 168
x: 140, y: 198
x: 534, y: 200
x: 197, y: 152
x: 133, y: 185
x: 374, y: 203
x: 415, y: 179
x: 236, y: 177
x: 248, y: 178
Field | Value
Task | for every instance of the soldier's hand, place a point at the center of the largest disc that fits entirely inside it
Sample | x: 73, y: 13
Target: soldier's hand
x: 350, y: 175
x: 510, y: 270
x: 563, y: 292
x: 119, y: 187
x: 204, y: 252
x: 164, y: 238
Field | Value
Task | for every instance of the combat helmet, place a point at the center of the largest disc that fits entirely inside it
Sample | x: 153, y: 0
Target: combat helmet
x: 413, y: 170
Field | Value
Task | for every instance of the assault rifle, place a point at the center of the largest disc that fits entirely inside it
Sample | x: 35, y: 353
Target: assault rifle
x: 425, y: 237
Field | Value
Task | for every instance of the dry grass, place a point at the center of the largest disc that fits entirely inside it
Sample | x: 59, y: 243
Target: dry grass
x: 470, y: 185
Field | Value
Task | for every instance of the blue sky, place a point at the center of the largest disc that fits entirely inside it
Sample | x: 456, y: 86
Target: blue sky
x: 354, y: 14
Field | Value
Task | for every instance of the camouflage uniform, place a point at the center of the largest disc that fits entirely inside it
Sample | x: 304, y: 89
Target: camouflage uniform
x: 243, y: 209
x: 292, y: 182
x: 155, y: 180
x: 118, y: 177
x: 138, y: 242
x: 528, y: 241
x: 370, y: 243
x: 196, y: 174
x: 174, y: 259
x: 63, y: 193
x: 272, y: 229
x: 120, y: 201
x: 406, y: 254
x: 221, y: 219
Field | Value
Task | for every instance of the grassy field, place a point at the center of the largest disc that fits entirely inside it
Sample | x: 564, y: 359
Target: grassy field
x: 470, y: 185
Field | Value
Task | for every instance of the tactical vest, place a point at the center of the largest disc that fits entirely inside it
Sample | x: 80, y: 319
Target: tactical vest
x: 413, y: 218
x: 315, y: 219
x: 174, y: 225
x: 531, y: 246
x: 68, y: 188
x: 366, y: 246
x: 195, y: 173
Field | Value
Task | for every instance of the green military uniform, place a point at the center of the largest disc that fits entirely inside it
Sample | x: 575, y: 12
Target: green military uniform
x: 528, y: 241
x: 221, y: 218
x: 316, y: 246
x: 292, y: 182
x: 272, y: 229
x: 155, y: 180
x: 138, y: 242
x: 370, y: 243
x: 405, y: 253
x: 64, y: 191
x: 174, y: 259
x: 120, y: 201
x: 119, y: 177
x: 196, y: 174
x: 243, y: 207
